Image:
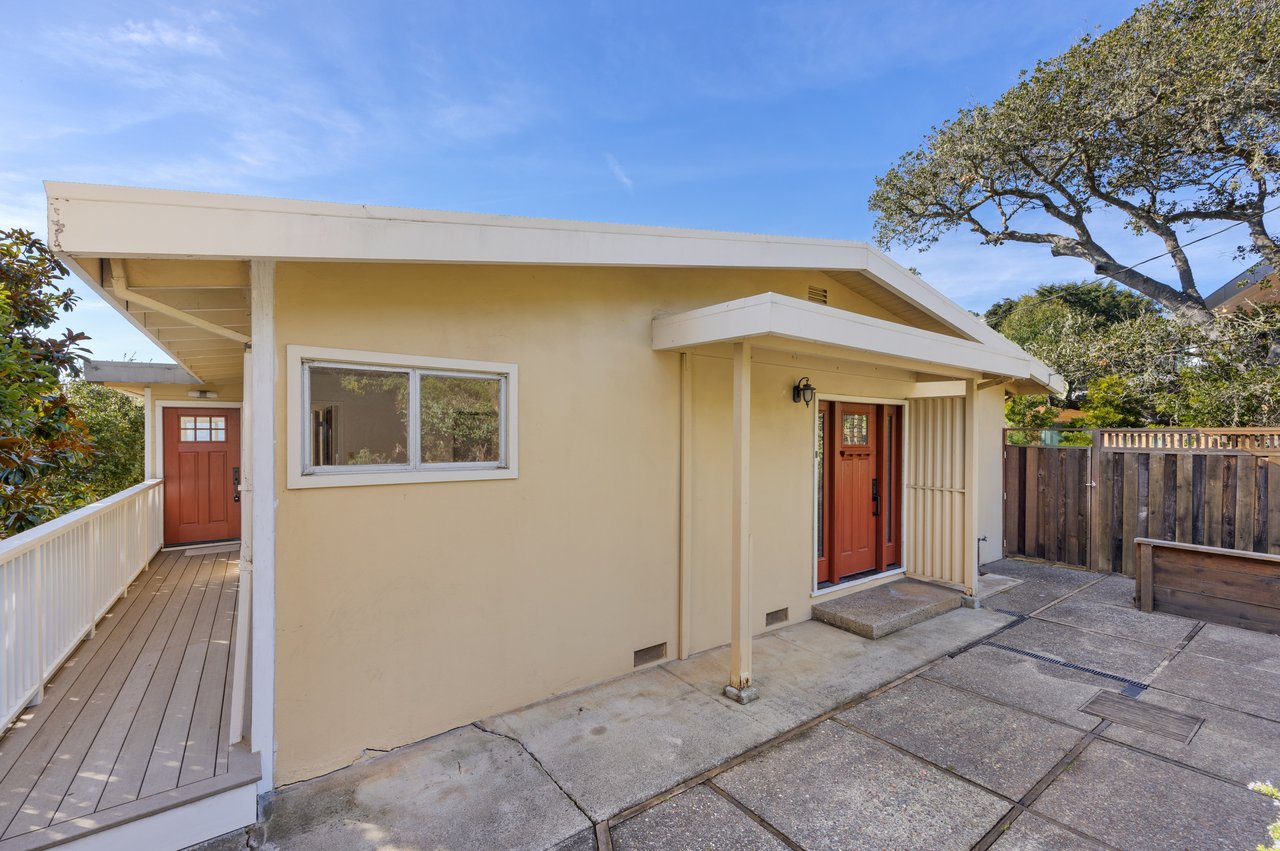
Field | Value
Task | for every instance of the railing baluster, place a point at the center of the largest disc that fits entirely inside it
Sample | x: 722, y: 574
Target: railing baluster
x: 57, y: 579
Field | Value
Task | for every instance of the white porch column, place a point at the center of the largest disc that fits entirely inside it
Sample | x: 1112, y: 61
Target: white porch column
x: 740, y: 688
x: 262, y: 277
x: 971, y: 487
x: 244, y: 593
x: 148, y: 435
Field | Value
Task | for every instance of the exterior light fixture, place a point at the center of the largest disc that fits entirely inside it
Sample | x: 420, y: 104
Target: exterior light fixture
x: 803, y: 391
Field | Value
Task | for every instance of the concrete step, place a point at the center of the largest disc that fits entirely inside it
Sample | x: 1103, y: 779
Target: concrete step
x: 885, y: 609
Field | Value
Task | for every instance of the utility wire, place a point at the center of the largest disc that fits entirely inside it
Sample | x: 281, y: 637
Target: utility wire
x: 1031, y: 300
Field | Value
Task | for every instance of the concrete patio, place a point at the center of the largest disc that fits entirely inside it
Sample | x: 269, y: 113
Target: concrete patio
x: 837, y: 754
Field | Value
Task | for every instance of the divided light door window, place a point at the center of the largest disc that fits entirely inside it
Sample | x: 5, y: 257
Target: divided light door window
x: 858, y: 481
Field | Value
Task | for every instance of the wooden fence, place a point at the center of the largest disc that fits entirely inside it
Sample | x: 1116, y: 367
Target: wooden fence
x: 1085, y: 505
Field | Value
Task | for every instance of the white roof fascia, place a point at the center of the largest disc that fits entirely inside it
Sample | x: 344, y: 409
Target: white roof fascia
x: 113, y: 221
x: 776, y: 315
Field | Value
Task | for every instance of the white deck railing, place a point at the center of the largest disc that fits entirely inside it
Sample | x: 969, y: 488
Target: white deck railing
x: 58, y: 579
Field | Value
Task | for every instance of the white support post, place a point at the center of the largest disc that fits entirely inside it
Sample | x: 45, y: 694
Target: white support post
x: 148, y: 435
x: 262, y: 399
x: 244, y: 593
x: 686, y: 505
x: 740, y: 687
x: 970, y: 488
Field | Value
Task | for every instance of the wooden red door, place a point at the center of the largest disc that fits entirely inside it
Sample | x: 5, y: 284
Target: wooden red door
x: 855, y: 512
x: 201, y: 475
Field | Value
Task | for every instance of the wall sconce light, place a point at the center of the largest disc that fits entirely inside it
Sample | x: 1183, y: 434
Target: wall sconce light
x: 803, y: 391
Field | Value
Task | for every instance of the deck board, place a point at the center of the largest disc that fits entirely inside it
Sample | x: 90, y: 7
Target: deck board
x: 125, y: 783
x: 136, y: 710
x: 53, y: 720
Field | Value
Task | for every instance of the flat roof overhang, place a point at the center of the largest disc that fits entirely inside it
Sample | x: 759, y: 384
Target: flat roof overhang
x: 778, y: 321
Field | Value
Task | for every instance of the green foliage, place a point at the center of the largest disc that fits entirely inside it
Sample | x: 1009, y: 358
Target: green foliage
x: 116, y: 429
x: 1168, y: 121
x: 1273, y: 830
x: 1111, y: 403
x: 40, y: 433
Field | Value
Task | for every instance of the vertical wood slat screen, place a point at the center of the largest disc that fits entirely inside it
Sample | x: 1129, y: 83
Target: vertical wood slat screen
x: 935, y: 544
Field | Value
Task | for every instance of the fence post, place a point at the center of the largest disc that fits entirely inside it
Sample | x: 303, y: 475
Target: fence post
x: 1094, y: 485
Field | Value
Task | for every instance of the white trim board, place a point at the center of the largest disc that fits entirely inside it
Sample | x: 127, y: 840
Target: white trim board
x: 158, y: 424
x: 114, y: 221
x: 770, y: 315
x: 296, y: 420
x: 262, y: 610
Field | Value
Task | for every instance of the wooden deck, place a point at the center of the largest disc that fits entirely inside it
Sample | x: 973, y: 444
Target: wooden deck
x: 140, y: 710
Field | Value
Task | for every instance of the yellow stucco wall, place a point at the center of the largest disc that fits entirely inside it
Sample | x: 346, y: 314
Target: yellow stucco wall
x: 405, y: 610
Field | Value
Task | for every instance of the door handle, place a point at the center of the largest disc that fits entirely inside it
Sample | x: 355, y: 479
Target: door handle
x: 875, y: 497
x: 235, y: 480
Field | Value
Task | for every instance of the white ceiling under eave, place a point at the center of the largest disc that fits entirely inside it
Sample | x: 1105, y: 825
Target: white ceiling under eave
x: 196, y: 311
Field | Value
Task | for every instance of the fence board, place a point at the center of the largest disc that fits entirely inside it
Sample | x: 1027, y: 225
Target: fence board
x: 1217, y: 488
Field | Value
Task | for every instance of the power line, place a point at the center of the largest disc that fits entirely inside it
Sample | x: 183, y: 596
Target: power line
x: 1036, y: 300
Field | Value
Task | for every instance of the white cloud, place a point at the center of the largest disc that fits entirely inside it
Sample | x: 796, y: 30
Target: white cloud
x: 616, y: 168
x: 162, y: 34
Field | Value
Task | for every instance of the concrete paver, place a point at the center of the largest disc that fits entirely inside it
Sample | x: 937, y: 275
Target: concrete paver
x: 988, y: 719
x: 617, y: 744
x: 1218, y: 681
x: 1032, y: 833
x: 1041, y: 585
x: 810, y: 668
x: 1005, y: 750
x: 1238, y: 646
x: 1230, y: 744
x: 1131, y: 800
x: 1129, y: 623
x: 698, y: 818
x: 1153, y: 627
x: 1113, y: 655
x: 1042, y: 687
x: 441, y: 789
x: 832, y: 787
x: 620, y: 743
x: 1113, y: 590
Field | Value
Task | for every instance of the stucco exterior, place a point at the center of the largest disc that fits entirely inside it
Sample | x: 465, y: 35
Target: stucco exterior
x: 405, y: 610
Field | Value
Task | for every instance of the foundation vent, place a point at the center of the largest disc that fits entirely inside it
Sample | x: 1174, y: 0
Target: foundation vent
x: 777, y: 616
x: 647, y: 655
x: 817, y: 295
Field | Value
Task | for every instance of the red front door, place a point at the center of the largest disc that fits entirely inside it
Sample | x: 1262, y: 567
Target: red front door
x: 859, y: 488
x: 854, y: 524
x: 201, y: 475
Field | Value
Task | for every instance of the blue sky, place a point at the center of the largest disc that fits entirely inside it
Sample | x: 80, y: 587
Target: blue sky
x: 762, y: 117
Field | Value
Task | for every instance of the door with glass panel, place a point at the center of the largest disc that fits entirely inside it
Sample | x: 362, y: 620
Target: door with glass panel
x: 859, y: 491
x: 201, y: 475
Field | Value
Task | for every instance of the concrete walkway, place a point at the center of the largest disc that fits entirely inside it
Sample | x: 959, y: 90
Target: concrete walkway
x: 965, y: 731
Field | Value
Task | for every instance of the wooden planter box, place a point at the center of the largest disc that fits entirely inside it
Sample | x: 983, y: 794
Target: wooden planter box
x: 1231, y: 587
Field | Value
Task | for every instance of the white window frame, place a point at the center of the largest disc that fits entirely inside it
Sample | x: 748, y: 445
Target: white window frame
x: 302, y: 475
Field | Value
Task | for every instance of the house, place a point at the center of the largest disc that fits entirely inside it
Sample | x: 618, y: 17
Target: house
x: 1253, y: 286
x: 475, y: 461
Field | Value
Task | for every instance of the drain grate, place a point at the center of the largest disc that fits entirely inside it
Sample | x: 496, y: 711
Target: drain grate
x: 1143, y: 716
x: 1137, y: 685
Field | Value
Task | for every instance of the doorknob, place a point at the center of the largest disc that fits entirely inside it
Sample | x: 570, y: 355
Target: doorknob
x: 875, y: 497
x: 235, y: 480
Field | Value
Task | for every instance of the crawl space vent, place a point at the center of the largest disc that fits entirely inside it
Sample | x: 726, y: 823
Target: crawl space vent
x: 817, y: 295
x: 777, y: 616
x: 645, y: 655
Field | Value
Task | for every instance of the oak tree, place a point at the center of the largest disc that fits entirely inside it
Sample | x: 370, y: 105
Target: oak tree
x: 1169, y: 121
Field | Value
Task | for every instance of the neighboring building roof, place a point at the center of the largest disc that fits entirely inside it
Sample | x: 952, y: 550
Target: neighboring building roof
x: 1243, y: 288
